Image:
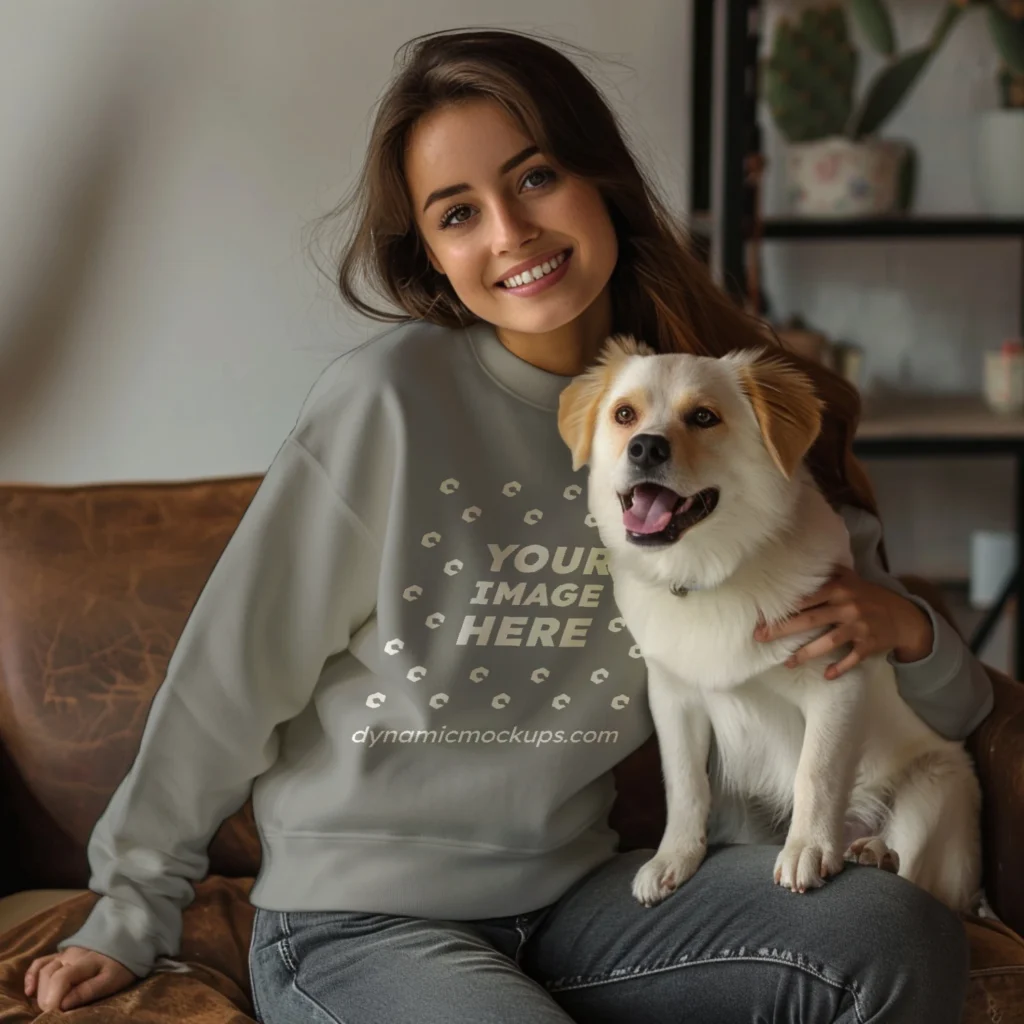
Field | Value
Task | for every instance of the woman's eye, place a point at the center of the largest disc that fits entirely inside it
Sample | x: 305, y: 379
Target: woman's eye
x: 449, y: 218
x: 624, y: 414
x: 546, y: 171
x: 704, y: 417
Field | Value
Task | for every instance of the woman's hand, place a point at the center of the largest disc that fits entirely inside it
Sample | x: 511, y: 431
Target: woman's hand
x: 872, y: 618
x: 73, y: 977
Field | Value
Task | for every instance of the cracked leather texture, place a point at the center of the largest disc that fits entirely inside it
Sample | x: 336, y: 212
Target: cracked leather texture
x: 96, y: 584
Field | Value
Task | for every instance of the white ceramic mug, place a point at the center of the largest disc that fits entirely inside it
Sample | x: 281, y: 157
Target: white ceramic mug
x: 1004, y: 379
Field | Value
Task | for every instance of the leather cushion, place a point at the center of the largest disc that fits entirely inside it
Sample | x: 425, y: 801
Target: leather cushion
x: 217, y: 927
x: 96, y: 584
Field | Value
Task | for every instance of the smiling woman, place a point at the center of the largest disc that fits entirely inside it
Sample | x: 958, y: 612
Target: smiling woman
x: 419, y: 560
x: 519, y: 220
x: 493, y: 156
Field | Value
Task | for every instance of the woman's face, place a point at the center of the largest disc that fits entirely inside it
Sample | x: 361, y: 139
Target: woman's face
x: 503, y: 205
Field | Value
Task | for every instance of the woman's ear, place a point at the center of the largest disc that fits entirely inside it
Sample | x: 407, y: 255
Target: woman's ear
x: 434, y: 260
x: 786, y: 407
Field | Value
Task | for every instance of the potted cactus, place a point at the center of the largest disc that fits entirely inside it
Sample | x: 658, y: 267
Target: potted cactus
x: 836, y: 165
x: 1000, y: 157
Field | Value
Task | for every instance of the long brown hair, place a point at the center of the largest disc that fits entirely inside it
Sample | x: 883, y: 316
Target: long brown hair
x: 661, y: 292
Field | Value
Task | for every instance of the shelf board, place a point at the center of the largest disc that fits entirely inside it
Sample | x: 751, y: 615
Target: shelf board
x: 702, y: 226
x: 939, y: 415
x: 939, y: 421
x: 894, y: 227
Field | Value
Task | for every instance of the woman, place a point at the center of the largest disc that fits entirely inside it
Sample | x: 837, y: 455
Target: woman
x: 433, y: 810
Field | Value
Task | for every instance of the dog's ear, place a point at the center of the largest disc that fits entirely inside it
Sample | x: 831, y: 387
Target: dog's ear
x: 786, y: 407
x: 579, y: 402
x: 619, y: 347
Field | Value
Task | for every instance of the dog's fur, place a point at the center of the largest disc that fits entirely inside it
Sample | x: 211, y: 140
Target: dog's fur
x: 791, y: 748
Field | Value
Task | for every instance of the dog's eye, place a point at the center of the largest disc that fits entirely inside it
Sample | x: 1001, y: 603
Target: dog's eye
x: 625, y: 414
x: 703, y: 418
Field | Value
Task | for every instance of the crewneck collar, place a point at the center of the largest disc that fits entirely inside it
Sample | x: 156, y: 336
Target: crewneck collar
x: 528, y: 382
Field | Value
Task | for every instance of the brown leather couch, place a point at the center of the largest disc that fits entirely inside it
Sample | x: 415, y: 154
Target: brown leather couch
x: 96, y: 583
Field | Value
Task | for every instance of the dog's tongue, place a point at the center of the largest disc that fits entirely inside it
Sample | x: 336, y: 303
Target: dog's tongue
x: 651, y: 510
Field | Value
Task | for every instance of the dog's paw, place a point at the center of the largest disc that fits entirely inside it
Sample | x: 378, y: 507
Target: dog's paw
x: 871, y: 850
x: 805, y: 864
x: 665, y: 872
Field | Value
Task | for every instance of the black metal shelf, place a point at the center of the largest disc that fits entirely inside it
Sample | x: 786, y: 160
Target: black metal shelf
x: 892, y: 227
x: 853, y: 229
x: 726, y: 143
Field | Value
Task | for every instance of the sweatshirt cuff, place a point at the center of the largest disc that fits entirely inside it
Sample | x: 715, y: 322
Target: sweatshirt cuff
x: 105, y: 931
x: 942, y: 663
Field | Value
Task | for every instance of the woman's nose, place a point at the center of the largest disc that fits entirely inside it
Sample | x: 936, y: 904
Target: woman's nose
x: 512, y: 228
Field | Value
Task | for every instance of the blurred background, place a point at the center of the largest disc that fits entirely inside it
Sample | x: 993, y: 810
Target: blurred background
x: 853, y: 170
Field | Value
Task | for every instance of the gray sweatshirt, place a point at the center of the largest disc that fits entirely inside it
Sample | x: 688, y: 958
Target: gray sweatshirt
x: 410, y: 654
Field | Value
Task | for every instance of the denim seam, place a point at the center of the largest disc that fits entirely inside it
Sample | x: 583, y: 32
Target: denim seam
x: 257, y: 1013
x: 288, y: 956
x: 523, y: 937
x: 595, y: 980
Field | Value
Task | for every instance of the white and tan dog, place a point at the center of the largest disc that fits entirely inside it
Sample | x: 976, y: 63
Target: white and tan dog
x: 712, y: 520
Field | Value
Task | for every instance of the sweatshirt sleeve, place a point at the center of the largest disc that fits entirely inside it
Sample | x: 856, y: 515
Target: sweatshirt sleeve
x: 949, y: 687
x: 294, y: 582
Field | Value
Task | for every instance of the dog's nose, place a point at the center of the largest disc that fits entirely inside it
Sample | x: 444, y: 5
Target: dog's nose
x: 649, y: 450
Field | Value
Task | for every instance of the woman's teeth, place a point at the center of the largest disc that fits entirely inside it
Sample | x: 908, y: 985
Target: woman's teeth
x: 536, y: 273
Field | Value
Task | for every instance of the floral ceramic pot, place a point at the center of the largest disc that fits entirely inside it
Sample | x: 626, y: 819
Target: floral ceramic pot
x: 837, y: 177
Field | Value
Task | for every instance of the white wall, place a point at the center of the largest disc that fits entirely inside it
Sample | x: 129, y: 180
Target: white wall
x: 159, y: 159
x: 925, y: 310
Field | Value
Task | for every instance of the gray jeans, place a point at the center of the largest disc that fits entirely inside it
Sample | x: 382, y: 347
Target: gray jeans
x: 727, y: 946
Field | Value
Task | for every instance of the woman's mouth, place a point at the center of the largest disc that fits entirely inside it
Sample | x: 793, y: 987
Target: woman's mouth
x: 528, y: 283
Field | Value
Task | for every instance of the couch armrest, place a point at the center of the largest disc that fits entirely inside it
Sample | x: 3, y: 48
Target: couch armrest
x: 997, y: 746
x: 12, y: 875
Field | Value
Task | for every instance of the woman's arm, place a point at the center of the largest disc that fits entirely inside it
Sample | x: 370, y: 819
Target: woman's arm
x: 294, y: 583
x: 948, y: 687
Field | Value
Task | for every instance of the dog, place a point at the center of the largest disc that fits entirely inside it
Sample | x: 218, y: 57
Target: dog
x: 713, y: 523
